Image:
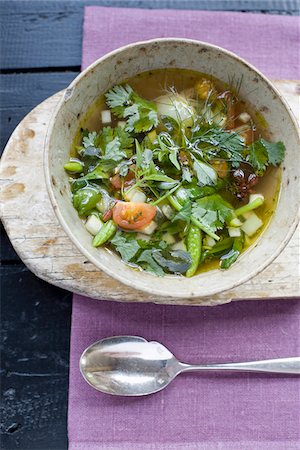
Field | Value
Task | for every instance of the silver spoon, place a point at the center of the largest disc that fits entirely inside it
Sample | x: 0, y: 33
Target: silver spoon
x: 132, y: 366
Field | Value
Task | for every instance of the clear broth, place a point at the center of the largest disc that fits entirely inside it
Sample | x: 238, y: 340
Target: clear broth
x: 151, y: 85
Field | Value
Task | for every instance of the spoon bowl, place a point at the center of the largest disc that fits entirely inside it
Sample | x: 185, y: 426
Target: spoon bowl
x: 126, y: 364
x: 132, y: 366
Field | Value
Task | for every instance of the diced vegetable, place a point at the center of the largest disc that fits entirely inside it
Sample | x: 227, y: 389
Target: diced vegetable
x: 135, y: 195
x: 93, y: 224
x: 179, y: 246
x: 244, y: 117
x: 168, y: 211
x: 149, y: 229
x: 168, y: 238
x: 252, y: 224
x: 121, y: 123
x: 106, y: 116
x: 209, y: 241
x: 143, y: 237
x: 234, y: 231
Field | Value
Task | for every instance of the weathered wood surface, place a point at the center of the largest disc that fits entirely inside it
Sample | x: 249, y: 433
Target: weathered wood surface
x: 47, y: 251
x: 41, y: 33
x: 36, y: 320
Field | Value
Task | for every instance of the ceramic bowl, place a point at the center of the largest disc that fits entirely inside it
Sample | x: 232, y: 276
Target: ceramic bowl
x: 126, y: 62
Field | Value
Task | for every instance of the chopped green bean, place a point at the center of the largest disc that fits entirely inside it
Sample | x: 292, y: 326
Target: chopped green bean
x: 105, y: 234
x: 194, y: 244
x: 74, y: 167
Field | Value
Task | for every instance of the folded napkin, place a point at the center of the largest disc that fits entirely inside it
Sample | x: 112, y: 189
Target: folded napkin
x: 197, y: 411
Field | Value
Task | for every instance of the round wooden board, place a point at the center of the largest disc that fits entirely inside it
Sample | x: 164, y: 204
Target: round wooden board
x: 42, y: 244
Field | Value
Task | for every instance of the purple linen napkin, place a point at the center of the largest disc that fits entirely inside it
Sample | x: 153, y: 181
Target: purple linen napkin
x: 270, y: 42
x: 197, y: 411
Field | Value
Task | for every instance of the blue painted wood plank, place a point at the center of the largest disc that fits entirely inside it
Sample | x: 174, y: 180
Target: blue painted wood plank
x: 20, y: 93
x: 35, y: 361
x: 49, y: 33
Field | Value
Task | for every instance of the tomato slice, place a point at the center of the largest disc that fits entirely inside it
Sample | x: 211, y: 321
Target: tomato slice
x: 133, y: 216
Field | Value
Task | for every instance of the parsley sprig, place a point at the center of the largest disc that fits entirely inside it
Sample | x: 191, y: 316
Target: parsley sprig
x: 141, y: 114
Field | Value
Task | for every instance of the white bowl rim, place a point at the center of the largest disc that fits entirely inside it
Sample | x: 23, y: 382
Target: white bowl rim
x: 147, y: 288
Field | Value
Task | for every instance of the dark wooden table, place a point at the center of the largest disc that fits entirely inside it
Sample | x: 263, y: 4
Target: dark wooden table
x: 41, y: 54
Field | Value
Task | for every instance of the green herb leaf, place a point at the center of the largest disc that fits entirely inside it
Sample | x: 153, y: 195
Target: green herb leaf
x: 207, y: 176
x: 168, y: 147
x: 139, y: 154
x: 97, y: 174
x: 151, y: 265
x: 212, y: 212
x: 117, y: 135
x: 141, y: 114
x: 186, y: 174
x: 214, y: 141
x: 258, y: 157
x: 147, y: 157
x: 126, y: 245
x: 174, y: 261
x: 113, y: 151
x: 263, y: 153
x: 158, y: 177
x: 118, y: 98
x: 89, y: 139
x: 185, y: 213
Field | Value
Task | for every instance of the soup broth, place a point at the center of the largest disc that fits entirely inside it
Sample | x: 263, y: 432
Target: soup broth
x: 194, y: 185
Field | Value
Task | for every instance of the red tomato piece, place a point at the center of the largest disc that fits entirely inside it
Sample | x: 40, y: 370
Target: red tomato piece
x: 133, y: 216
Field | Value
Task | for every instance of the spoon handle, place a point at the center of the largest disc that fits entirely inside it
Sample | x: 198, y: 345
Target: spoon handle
x: 282, y: 365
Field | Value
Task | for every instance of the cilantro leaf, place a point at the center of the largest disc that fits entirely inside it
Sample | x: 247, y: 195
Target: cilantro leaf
x: 151, y: 265
x: 184, y: 213
x: 118, y: 135
x: 89, y: 140
x: 126, y: 245
x: 276, y: 151
x: 141, y: 114
x: 113, y: 151
x: 258, y: 157
x: 212, y: 212
x: 118, y: 98
x: 174, y: 261
x: 263, y: 153
x: 207, y: 176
